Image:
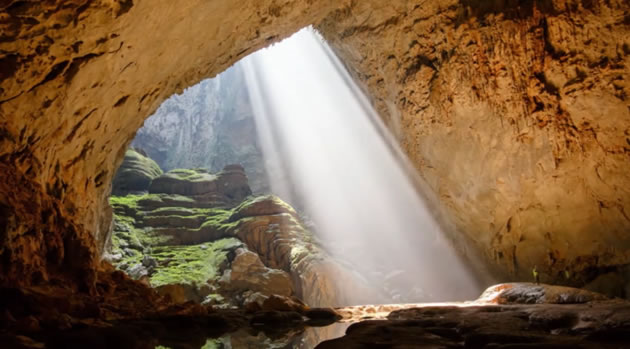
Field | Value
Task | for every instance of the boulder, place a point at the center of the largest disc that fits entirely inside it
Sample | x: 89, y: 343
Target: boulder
x: 232, y: 182
x: 184, y: 182
x: 137, y: 271
x: 185, y: 292
x: 281, y: 303
x: 267, y: 205
x: 249, y: 273
x: 530, y: 293
x: 135, y: 173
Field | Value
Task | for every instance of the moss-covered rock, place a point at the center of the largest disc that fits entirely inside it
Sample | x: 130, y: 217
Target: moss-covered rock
x: 229, y: 185
x: 196, y: 264
x: 188, y: 272
x: 184, y: 242
x: 184, y: 182
x: 267, y: 205
x: 135, y: 173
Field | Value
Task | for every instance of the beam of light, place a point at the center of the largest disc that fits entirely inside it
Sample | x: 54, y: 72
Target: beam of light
x: 330, y: 151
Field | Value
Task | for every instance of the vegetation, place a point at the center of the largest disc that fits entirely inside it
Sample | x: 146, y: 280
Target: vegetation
x: 190, y: 174
x: 136, y: 173
x: 195, y: 264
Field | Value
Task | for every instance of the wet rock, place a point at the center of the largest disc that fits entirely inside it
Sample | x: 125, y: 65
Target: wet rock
x: 529, y: 293
x: 598, y: 324
x: 282, y: 303
x: 322, y: 315
x: 253, y: 302
x: 180, y: 293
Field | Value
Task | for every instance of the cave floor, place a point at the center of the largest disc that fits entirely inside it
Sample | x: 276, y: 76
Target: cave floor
x: 603, y: 324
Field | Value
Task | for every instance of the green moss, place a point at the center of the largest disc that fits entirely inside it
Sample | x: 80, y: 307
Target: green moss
x: 174, y: 210
x: 130, y: 201
x: 191, y: 264
x: 215, y: 344
x: 190, y: 174
x: 135, y: 173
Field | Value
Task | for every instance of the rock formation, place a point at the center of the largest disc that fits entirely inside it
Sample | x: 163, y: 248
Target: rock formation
x: 210, y: 125
x: 515, y: 114
x: 78, y: 78
x: 198, y: 236
x: 135, y: 173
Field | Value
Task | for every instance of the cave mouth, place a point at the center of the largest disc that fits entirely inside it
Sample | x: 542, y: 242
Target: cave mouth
x: 69, y: 110
x: 283, y: 146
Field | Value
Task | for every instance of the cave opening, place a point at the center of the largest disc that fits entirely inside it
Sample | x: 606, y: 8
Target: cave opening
x: 530, y: 177
x: 278, y: 177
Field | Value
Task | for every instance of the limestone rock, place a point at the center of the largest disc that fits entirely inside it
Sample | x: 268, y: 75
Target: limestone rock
x: 529, y: 293
x: 231, y: 183
x: 522, y: 142
x: 249, y: 273
x: 282, y: 303
x: 271, y: 228
x: 135, y: 173
x: 186, y: 182
x: 137, y: 271
x: 182, y: 293
x: 78, y: 79
x: 262, y: 206
x: 592, y: 326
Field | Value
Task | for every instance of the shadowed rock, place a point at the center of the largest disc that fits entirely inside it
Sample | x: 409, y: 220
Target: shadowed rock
x: 135, y: 173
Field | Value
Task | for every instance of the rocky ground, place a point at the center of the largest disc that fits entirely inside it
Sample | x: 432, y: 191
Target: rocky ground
x: 505, y: 316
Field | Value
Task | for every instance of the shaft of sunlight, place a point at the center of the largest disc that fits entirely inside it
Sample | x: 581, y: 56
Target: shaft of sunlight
x: 337, y: 158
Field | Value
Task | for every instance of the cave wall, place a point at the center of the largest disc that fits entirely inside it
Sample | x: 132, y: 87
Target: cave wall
x: 77, y: 79
x: 516, y: 114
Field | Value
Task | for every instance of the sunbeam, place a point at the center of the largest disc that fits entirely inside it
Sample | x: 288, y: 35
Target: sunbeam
x: 341, y: 163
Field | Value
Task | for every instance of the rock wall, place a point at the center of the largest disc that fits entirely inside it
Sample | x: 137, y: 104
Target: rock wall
x: 210, y: 125
x: 77, y: 80
x: 516, y: 114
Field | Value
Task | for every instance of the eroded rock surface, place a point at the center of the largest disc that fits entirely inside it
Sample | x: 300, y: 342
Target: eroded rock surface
x: 519, y: 315
x: 188, y: 240
x: 528, y: 293
x: 516, y: 115
x: 247, y: 272
x: 135, y: 173
x: 77, y: 80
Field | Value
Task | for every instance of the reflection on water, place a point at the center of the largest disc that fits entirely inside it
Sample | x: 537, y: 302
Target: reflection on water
x: 306, y: 338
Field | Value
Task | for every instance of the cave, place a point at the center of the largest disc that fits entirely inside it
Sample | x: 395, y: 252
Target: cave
x: 513, y: 116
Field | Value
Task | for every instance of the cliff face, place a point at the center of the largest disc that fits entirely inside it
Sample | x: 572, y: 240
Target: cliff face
x: 516, y: 114
x: 211, y: 125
